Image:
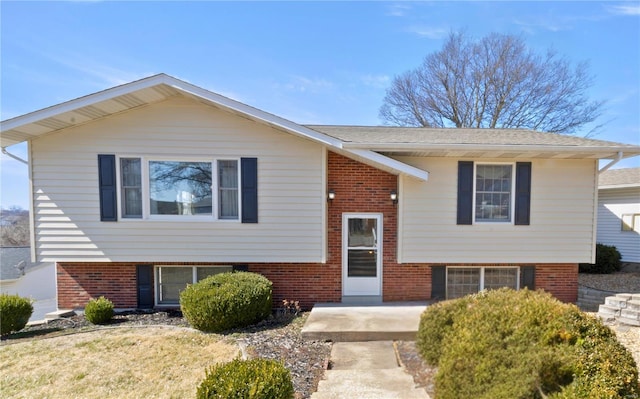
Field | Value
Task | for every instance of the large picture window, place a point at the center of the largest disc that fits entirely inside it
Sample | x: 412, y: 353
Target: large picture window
x: 493, y: 193
x: 172, y: 188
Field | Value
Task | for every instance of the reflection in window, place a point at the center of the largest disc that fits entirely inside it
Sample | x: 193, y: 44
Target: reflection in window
x: 228, y: 189
x: 180, y: 188
x: 493, y: 193
x: 131, y: 187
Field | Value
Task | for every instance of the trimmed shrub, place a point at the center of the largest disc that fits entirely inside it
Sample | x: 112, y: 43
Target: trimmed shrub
x: 15, y: 312
x: 607, y: 261
x: 227, y: 300
x: 99, y: 311
x: 247, y: 379
x: 435, y: 323
x: 525, y: 344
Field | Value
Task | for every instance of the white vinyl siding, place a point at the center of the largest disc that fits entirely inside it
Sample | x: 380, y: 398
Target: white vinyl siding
x: 562, y: 217
x: 612, y: 204
x: 291, y: 192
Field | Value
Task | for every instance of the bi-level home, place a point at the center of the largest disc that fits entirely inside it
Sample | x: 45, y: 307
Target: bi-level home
x: 143, y: 188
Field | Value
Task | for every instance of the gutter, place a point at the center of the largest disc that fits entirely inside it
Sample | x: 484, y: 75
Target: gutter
x: 617, y: 159
x: 17, y: 158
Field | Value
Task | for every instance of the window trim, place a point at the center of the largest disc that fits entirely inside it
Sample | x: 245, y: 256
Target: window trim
x: 632, y: 227
x: 194, y: 276
x: 144, y: 174
x: 482, y: 272
x: 512, y: 197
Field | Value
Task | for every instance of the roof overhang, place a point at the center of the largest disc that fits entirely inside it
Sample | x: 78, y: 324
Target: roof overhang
x: 497, y: 150
x: 619, y: 186
x: 161, y: 87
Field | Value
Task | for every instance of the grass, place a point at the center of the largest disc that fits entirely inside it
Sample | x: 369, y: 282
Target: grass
x: 150, y: 362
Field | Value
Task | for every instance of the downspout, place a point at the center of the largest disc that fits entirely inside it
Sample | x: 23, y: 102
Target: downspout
x: 613, y: 162
x: 17, y: 158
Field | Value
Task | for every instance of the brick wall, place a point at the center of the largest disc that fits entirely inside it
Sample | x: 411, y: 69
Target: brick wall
x: 358, y: 188
x: 561, y: 280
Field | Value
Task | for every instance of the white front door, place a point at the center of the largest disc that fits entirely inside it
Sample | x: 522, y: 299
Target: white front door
x: 361, y: 254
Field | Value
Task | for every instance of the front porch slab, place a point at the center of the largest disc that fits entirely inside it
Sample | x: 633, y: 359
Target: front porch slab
x: 348, y: 323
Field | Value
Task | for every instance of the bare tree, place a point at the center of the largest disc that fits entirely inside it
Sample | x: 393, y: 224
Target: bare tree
x: 14, y: 227
x: 495, y: 82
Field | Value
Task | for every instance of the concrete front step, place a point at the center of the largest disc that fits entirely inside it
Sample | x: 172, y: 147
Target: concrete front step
x: 634, y: 304
x: 616, y: 301
x: 343, y: 323
x: 382, y: 383
x: 630, y: 314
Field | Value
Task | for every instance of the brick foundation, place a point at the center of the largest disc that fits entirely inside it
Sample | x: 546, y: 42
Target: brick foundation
x: 358, y: 188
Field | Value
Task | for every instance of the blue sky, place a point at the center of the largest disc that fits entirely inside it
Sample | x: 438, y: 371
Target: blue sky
x: 310, y: 62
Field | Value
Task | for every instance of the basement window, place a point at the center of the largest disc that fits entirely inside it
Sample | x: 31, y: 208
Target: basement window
x: 463, y: 281
x: 172, y: 280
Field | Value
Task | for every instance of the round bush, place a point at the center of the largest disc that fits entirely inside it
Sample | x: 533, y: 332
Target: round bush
x: 99, y: 311
x: 525, y: 344
x: 607, y: 261
x: 15, y: 312
x: 247, y: 379
x: 227, y: 300
x: 435, y: 323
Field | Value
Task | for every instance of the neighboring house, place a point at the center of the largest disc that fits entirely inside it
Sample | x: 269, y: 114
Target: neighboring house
x: 145, y: 187
x: 19, y: 275
x: 619, y: 211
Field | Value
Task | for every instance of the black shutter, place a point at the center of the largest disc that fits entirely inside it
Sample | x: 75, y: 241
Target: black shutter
x: 249, y: 167
x: 240, y: 268
x: 523, y: 193
x: 465, y: 192
x: 144, y: 280
x: 107, y: 183
x: 438, y: 282
x: 528, y: 277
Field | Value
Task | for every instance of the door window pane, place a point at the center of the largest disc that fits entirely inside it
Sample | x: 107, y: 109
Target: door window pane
x: 180, y: 188
x: 362, y: 233
x: 362, y: 263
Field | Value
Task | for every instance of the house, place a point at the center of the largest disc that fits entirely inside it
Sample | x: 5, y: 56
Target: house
x: 619, y: 211
x: 141, y: 189
x: 20, y: 276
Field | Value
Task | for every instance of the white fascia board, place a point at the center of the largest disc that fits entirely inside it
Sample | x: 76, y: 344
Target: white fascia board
x: 81, y: 102
x: 253, y: 113
x: 156, y: 80
x: 618, y: 186
x: 629, y: 151
x: 398, y: 166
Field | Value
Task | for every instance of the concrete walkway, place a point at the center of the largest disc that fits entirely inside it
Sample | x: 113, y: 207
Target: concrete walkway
x: 363, y: 361
x: 367, y: 370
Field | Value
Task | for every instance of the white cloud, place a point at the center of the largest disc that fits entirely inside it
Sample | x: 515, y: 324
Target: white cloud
x: 627, y: 9
x: 398, y: 10
x: 377, y: 81
x: 303, y: 84
x: 428, y: 32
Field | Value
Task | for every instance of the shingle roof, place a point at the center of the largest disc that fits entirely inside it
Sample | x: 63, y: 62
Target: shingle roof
x: 626, y: 177
x: 10, y: 259
x: 416, y: 135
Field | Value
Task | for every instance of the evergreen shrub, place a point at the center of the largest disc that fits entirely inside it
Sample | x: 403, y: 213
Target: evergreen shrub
x: 15, y: 312
x: 523, y: 344
x: 227, y: 300
x: 99, y: 311
x: 608, y: 260
x: 247, y: 379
